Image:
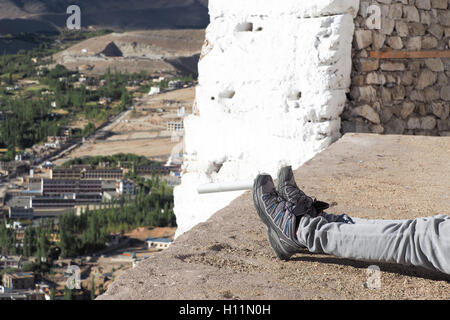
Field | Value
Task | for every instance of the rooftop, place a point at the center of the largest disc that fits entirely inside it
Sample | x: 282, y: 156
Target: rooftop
x: 164, y: 240
x: 21, y: 275
x: 363, y: 175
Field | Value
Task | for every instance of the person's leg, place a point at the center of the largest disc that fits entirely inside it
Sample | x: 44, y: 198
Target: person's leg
x: 421, y: 242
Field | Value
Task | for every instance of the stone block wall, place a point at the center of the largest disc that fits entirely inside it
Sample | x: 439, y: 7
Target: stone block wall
x: 400, y: 96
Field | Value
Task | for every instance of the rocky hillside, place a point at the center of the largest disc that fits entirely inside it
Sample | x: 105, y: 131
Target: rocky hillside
x: 156, y: 51
x: 37, y: 15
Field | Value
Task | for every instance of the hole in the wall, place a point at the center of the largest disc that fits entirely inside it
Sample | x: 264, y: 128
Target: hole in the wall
x: 259, y: 29
x: 213, y: 98
x: 218, y: 166
x: 295, y: 95
x: 227, y: 94
x: 244, y: 27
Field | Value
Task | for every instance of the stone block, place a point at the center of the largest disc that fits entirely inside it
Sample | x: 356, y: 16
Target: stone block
x: 414, y: 44
x: 439, y: 4
x: 402, y: 28
x: 426, y: 78
x: 395, y: 126
x: 398, y: 93
x: 375, y: 78
x: 407, y: 78
x: 407, y: 109
x: 413, y: 123
x: 395, y: 42
x: 387, y: 26
x: 378, y: 40
x: 425, y: 17
x: 395, y: 11
x: 392, y: 66
x: 363, y: 38
x: 386, y: 95
x: 430, y: 94
x: 445, y: 93
x: 417, y: 95
x: 436, y: 30
x: 428, y: 123
x: 366, y: 65
x: 440, y: 110
x: 442, y: 79
x: 376, y: 128
x: 429, y: 42
x: 443, y: 125
x: 410, y: 13
x: 423, y: 4
x: 367, y: 112
x: 416, y: 29
x: 435, y: 64
x: 444, y: 17
x: 367, y: 93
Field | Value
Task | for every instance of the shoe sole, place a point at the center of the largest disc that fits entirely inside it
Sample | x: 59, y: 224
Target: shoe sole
x: 272, y: 233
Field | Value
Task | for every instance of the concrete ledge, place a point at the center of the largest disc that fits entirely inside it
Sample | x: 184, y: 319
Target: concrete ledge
x: 367, y: 176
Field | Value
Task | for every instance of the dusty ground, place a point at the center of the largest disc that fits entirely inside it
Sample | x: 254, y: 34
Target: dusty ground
x: 143, y: 134
x: 148, y: 119
x: 367, y: 176
x: 143, y: 233
x: 146, y: 147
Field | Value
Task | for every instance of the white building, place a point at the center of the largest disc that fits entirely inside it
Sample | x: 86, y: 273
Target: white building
x: 181, y: 112
x: 158, y: 243
x: 175, y: 84
x: 11, y: 262
x: 175, y: 126
x: 125, y: 187
x: 21, y: 213
x: 154, y: 90
x: 52, y: 145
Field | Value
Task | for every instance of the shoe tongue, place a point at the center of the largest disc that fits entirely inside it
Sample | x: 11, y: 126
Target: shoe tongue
x: 292, y: 181
x: 268, y: 186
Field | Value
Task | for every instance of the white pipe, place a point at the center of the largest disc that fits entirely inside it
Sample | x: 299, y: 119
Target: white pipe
x: 225, y: 187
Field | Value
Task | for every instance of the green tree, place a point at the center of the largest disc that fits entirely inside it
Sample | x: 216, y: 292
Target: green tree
x: 67, y: 293
x: 10, y: 80
x: 92, y: 288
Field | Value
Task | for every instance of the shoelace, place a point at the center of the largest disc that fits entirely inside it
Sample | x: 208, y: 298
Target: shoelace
x: 308, y: 204
x: 287, y: 205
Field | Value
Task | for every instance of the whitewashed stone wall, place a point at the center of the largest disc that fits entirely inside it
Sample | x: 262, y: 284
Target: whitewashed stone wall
x: 273, y: 79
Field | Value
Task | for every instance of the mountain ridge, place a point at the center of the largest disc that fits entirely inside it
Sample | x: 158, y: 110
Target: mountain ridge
x: 47, y: 15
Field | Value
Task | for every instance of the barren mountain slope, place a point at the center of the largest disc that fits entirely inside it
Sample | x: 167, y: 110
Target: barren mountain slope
x: 172, y: 51
x: 122, y: 14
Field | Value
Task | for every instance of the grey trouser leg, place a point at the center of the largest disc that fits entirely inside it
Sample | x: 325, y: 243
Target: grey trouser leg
x: 423, y: 242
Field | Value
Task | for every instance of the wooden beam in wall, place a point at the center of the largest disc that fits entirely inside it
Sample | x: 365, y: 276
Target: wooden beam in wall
x: 397, y: 54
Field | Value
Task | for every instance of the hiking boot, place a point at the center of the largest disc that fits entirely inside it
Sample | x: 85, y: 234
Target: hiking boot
x: 278, y: 215
x: 288, y: 189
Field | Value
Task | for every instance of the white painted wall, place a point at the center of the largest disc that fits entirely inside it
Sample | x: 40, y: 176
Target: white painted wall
x: 272, y: 84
